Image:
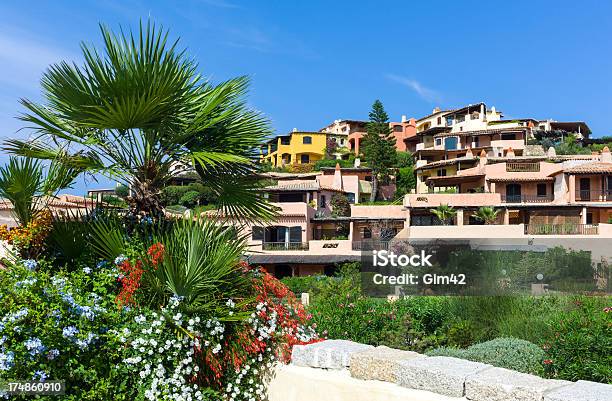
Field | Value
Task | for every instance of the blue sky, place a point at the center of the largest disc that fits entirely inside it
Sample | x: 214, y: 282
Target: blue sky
x: 316, y: 61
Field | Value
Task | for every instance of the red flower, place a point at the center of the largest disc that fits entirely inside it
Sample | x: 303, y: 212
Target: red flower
x: 156, y: 253
x: 548, y: 362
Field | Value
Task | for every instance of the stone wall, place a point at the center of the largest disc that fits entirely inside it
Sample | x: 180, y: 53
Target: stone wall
x: 342, y: 370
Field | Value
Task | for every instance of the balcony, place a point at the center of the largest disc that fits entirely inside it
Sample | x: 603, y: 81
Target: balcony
x: 370, y: 245
x: 561, y: 229
x: 594, y: 196
x: 526, y: 198
x: 285, y: 246
x: 523, y: 167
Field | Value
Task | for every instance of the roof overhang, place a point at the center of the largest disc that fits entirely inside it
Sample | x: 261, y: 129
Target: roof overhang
x: 452, y: 180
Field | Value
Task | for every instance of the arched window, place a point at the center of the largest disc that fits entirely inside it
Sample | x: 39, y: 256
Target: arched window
x: 307, y: 140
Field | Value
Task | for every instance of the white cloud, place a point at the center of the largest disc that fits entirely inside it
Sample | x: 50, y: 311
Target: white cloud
x: 425, y: 93
x: 23, y: 60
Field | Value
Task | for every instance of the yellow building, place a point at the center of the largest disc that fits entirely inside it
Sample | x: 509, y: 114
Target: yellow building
x: 295, y: 148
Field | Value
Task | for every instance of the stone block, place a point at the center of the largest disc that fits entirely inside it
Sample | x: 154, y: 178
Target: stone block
x: 582, y: 390
x: 380, y: 363
x: 329, y: 354
x: 438, y: 374
x: 498, y: 384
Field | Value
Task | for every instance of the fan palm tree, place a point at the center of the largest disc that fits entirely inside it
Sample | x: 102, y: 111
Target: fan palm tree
x: 138, y: 112
x: 24, y: 182
x: 487, y: 214
x: 444, y: 213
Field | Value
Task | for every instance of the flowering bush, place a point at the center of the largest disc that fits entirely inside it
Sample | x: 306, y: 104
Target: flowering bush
x: 579, y: 346
x: 75, y: 326
x: 56, y: 326
x: 29, y: 240
x: 180, y: 353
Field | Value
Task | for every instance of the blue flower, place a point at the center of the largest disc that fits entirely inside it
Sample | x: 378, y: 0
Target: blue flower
x: 40, y: 375
x: 21, y: 313
x: 86, y: 312
x: 58, y: 282
x: 84, y: 343
x: 34, y: 346
x: 25, y: 283
x: 31, y: 264
x: 120, y: 259
x: 7, y: 360
x: 101, y: 264
x: 146, y: 220
x: 69, y: 331
x: 52, y: 354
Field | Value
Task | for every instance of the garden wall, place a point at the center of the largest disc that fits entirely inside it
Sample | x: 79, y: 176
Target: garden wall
x: 340, y: 370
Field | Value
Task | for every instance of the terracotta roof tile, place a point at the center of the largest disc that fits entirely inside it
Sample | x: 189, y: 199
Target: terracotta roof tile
x: 591, y: 168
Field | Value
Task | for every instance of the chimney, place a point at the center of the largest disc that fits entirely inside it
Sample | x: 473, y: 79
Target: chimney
x: 510, y: 152
x: 551, y: 152
x: 483, y: 158
x: 469, y: 153
x: 404, y: 119
x: 412, y: 121
x: 606, y: 156
x: 294, y: 130
x: 435, y: 110
x: 337, y: 177
x: 492, y: 109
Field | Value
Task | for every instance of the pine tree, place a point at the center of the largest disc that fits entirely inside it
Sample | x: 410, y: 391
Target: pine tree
x: 379, y: 146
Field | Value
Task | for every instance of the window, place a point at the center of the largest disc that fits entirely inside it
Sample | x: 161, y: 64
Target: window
x: 439, y: 120
x: 285, y: 140
x: 541, y: 190
x: 476, y: 141
x: 295, y: 234
x: 307, y: 140
x: 589, y: 218
x: 367, y: 233
x: 257, y: 233
x: 438, y: 141
x: 451, y: 143
x: 513, y: 193
x: 442, y: 172
x: 508, y: 137
x: 397, y: 128
x: 350, y: 196
x: 449, y: 121
x: 342, y: 141
x: 304, y: 159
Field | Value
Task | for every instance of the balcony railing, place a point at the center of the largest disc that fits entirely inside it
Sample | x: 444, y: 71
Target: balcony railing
x: 285, y: 246
x: 328, y: 234
x: 526, y: 198
x: 370, y: 245
x: 594, y: 196
x: 561, y: 229
x: 522, y: 167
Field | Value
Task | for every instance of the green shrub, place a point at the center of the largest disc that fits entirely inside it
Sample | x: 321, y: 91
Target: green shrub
x: 460, y: 334
x: 579, y: 343
x: 447, y: 351
x: 509, y: 353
